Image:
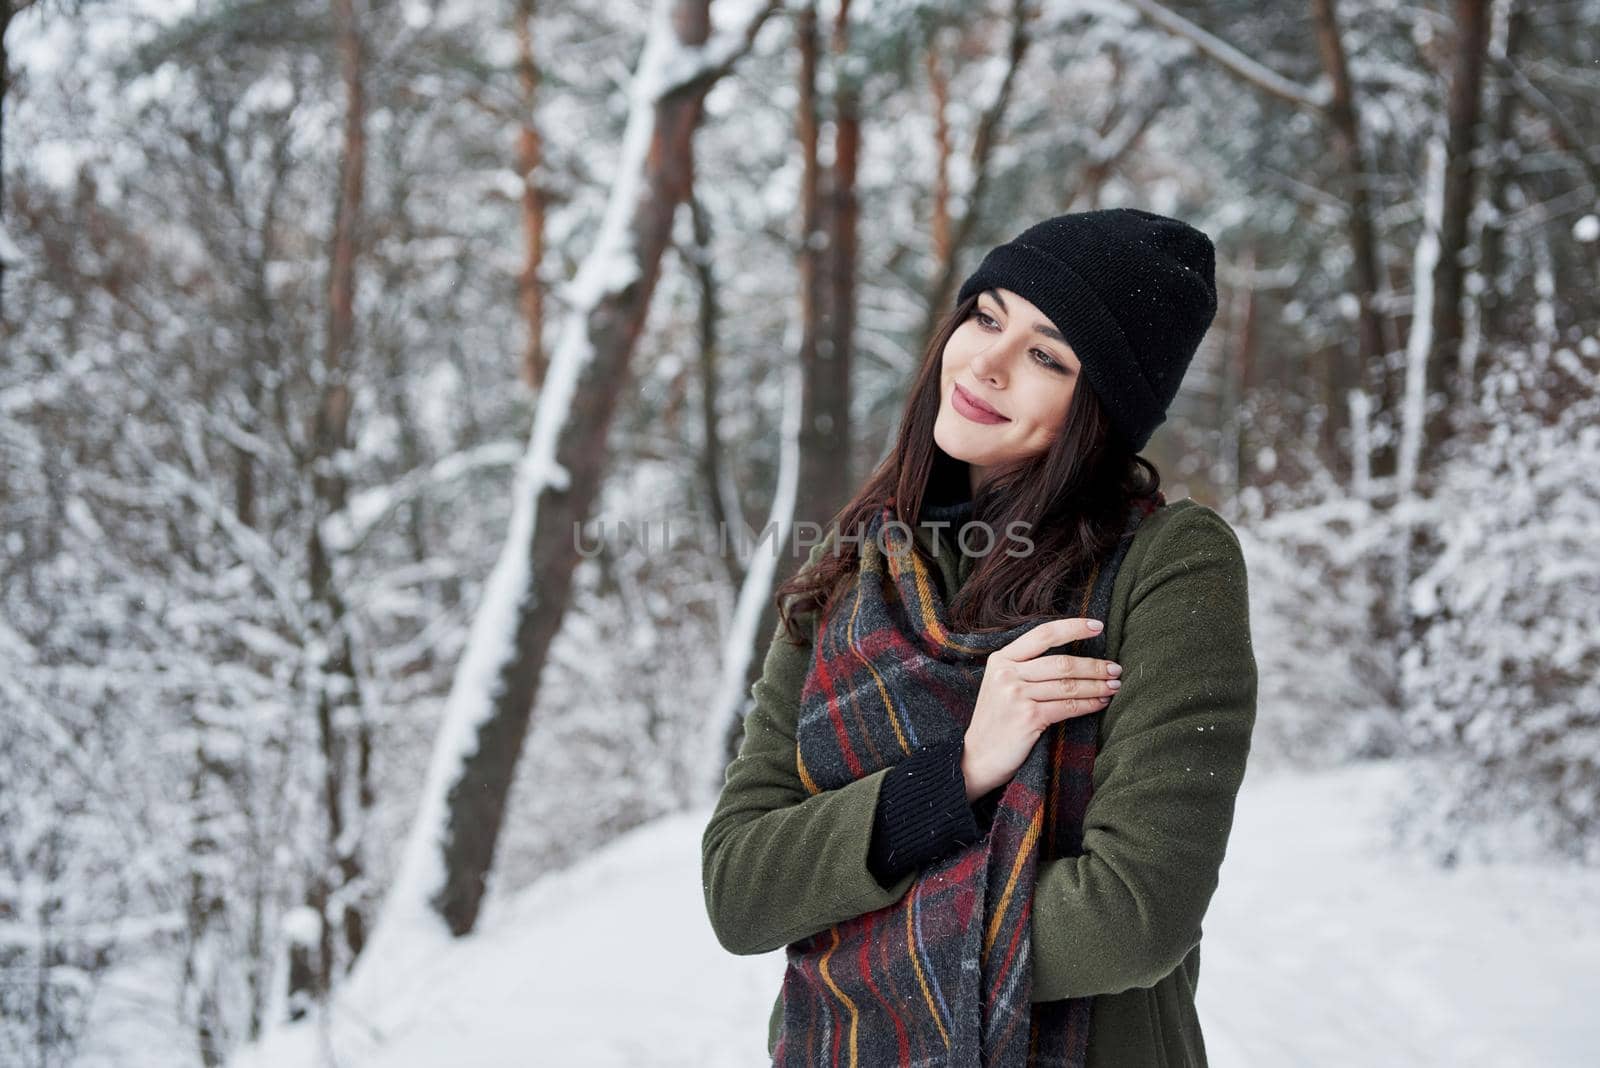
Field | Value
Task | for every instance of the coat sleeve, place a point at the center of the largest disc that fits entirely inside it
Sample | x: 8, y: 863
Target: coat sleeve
x: 777, y: 863
x: 1172, y: 754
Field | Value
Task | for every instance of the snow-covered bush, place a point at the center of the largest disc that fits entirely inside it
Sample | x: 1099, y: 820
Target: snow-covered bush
x: 1500, y: 680
x: 1322, y: 696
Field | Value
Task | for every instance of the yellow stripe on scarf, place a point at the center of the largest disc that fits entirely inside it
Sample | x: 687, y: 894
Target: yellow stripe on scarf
x: 877, y: 679
x: 930, y: 622
x: 922, y: 980
x: 1023, y: 852
x: 805, y: 776
x: 822, y: 966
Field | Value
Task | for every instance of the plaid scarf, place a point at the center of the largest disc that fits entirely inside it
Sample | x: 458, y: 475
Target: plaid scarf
x: 943, y: 976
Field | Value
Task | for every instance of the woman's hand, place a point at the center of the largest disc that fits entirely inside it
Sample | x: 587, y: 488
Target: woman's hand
x: 1024, y: 691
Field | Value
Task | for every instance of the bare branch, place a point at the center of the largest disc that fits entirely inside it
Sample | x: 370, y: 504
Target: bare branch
x: 1568, y: 136
x: 1232, y: 59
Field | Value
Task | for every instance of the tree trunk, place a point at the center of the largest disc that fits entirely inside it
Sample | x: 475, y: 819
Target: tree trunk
x: 8, y: 10
x: 203, y: 908
x: 530, y: 151
x: 825, y: 431
x: 1497, y: 182
x: 1465, y: 106
x: 343, y: 733
x: 842, y: 215
x: 1368, y: 369
x: 716, y: 480
x: 826, y: 297
x: 1238, y: 372
x: 443, y: 873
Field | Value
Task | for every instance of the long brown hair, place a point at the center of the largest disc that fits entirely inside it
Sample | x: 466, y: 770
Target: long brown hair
x: 1074, y: 498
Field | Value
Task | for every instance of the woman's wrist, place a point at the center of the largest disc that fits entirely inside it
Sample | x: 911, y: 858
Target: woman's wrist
x: 975, y: 787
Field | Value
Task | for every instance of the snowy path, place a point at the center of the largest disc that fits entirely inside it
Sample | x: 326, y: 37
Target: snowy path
x: 1320, y: 949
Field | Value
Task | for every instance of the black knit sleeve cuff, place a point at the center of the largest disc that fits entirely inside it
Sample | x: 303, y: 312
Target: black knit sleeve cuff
x: 923, y: 813
x: 984, y: 807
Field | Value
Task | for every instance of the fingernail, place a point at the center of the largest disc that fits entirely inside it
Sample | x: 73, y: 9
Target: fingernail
x: 1095, y: 624
x: 1114, y: 670
x: 1115, y: 683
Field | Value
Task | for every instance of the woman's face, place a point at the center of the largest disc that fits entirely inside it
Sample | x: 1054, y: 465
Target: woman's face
x: 1006, y: 355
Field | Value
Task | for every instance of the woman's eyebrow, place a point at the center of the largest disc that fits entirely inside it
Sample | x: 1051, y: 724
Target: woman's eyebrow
x: 1048, y: 331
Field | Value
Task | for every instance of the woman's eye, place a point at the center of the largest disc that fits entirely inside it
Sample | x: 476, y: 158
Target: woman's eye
x: 1043, y: 357
x: 1047, y: 360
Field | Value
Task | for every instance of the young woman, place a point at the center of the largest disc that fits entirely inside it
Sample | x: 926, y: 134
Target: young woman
x: 989, y: 776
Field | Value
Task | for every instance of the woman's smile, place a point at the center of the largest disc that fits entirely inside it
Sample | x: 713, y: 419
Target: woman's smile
x: 973, y: 407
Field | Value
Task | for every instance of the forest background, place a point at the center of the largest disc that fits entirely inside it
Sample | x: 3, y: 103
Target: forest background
x: 326, y: 323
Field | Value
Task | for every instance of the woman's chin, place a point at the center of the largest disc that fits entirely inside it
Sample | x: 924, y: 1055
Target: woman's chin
x: 962, y: 442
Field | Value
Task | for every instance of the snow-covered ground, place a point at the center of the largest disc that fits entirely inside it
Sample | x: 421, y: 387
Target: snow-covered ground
x: 1322, y: 947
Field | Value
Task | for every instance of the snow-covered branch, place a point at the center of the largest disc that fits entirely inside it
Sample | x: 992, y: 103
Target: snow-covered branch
x: 346, y: 529
x: 687, y: 67
x: 251, y: 547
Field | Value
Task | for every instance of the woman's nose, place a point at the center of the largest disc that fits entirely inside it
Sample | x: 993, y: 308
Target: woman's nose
x: 990, y: 362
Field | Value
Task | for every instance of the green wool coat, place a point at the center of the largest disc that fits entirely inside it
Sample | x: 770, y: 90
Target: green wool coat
x: 1123, y: 920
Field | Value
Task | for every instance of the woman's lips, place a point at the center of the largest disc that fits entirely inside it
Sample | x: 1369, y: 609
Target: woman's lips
x: 972, y: 408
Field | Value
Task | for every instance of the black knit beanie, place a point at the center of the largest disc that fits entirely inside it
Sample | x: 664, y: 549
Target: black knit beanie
x: 1133, y: 293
